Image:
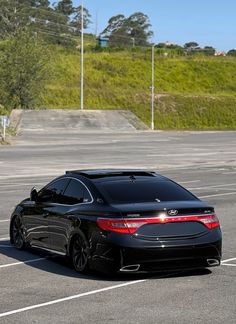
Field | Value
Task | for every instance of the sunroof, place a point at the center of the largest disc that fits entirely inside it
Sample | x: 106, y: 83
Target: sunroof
x: 102, y: 173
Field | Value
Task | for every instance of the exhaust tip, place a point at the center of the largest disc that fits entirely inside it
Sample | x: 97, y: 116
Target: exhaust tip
x: 130, y: 268
x: 213, y: 262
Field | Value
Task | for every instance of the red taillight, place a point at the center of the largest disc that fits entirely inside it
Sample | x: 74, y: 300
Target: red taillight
x: 125, y: 226
x: 131, y: 225
x: 210, y: 221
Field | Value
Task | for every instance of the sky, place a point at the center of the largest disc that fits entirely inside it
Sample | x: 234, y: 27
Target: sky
x: 208, y: 22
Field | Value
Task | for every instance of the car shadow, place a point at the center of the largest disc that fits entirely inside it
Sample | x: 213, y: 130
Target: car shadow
x: 61, y: 266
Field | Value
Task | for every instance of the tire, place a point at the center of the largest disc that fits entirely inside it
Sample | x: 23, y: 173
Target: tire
x: 17, y: 233
x: 80, y: 253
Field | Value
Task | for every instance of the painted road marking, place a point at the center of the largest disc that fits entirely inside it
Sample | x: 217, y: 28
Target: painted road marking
x: 228, y: 260
x: 4, y: 185
x: 4, y: 238
x: 182, y: 154
x: 184, y: 182
x: 215, y: 186
x: 216, y: 195
x: 234, y: 172
x: 21, y: 262
x: 36, y: 175
x: 4, y: 220
x: 20, y: 310
x: 225, y: 262
x: 56, y: 301
x: 12, y: 191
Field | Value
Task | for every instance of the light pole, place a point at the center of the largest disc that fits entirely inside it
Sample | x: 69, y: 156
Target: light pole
x: 133, y: 41
x: 153, y: 87
x: 82, y: 59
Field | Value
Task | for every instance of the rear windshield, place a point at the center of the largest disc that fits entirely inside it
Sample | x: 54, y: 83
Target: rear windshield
x: 143, y: 191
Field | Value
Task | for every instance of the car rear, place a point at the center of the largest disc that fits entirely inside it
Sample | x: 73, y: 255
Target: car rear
x: 159, y: 226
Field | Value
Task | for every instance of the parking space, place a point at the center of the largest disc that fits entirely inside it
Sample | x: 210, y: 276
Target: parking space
x: 40, y: 288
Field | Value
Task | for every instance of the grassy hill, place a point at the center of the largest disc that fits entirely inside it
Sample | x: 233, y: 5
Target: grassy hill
x: 194, y: 92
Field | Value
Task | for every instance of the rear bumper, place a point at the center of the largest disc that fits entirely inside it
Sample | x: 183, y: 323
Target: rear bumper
x: 115, y: 253
x: 173, y: 258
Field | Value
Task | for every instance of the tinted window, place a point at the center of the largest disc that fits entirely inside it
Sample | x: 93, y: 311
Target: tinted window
x: 76, y: 193
x: 143, y: 191
x: 53, y: 192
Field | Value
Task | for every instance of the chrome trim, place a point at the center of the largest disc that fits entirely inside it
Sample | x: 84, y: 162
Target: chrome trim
x: 86, y: 203
x: 213, y: 262
x: 130, y: 268
x: 46, y: 249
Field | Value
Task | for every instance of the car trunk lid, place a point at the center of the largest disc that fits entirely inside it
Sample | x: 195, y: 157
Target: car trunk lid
x: 167, y: 220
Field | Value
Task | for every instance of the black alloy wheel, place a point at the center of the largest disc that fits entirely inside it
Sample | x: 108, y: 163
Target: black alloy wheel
x: 80, y: 253
x: 17, y: 233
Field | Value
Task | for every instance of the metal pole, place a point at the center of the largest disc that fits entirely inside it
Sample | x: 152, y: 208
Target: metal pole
x: 4, y: 128
x: 153, y: 88
x: 133, y: 41
x: 82, y: 59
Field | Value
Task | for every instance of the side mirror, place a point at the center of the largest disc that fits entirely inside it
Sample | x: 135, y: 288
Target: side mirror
x: 34, y: 194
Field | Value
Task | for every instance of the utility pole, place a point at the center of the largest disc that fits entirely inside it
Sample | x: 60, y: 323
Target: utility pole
x: 82, y: 59
x: 96, y: 24
x: 153, y: 88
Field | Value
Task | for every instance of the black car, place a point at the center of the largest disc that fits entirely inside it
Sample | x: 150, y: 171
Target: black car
x: 119, y: 221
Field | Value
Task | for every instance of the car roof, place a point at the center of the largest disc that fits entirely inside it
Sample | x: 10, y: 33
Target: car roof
x: 98, y: 175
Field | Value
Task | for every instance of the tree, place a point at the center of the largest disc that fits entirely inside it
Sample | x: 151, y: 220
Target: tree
x: 114, y: 24
x: 33, y: 14
x: 48, y: 22
x: 37, y: 16
x: 65, y: 7
x: 40, y: 3
x: 209, y: 50
x: 161, y: 45
x: 77, y: 18
x: 22, y: 70
x: 191, y: 45
x: 12, y: 16
x: 133, y: 30
x: 138, y: 28
x: 231, y: 52
x: 116, y: 31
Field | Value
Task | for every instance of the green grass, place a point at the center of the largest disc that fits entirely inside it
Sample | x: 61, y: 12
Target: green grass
x: 196, y: 112
x: 200, y: 91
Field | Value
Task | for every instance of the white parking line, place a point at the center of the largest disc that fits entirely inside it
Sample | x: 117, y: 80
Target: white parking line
x: 6, y: 185
x: 183, y: 154
x: 21, y: 262
x: 36, y: 175
x: 228, y: 260
x: 4, y: 238
x: 20, y: 310
x: 4, y: 220
x: 229, y: 172
x: 215, y: 186
x: 216, y: 195
x: 56, y: 301
x: 12, y: 191
x: 184, y: 182
x: 225, y: 262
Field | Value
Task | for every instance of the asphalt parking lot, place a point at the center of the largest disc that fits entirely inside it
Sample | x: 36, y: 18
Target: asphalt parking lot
x: 38, y: 288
